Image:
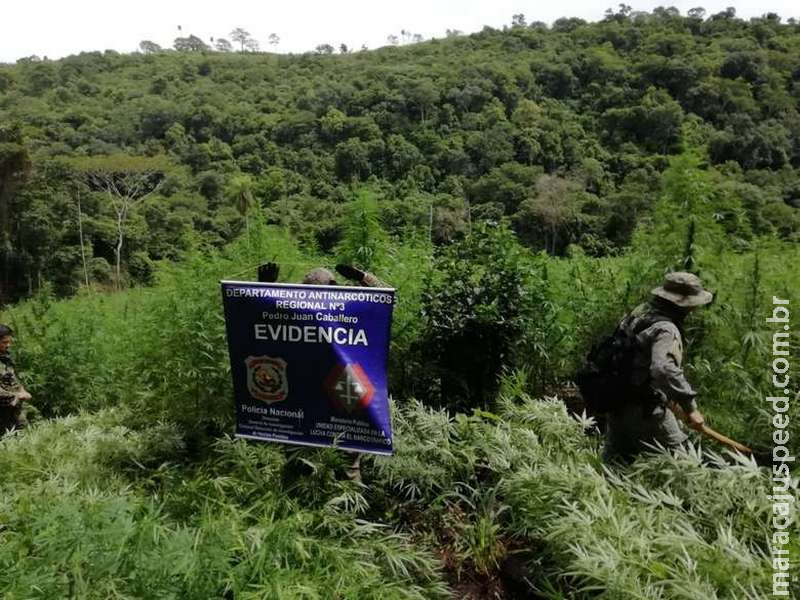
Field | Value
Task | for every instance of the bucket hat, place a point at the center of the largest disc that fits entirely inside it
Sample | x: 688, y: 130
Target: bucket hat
x: 319, y: 276
x: 683, y: 289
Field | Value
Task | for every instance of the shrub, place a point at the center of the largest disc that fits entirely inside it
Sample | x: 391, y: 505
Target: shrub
x: 485, y: 308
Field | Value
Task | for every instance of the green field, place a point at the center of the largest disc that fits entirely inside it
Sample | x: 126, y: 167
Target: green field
x: 521, y: 189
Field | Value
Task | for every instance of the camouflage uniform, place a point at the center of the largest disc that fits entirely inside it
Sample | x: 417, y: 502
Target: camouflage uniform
x: 657, y: 370
x: 11, y: 415
x: 659, y: 363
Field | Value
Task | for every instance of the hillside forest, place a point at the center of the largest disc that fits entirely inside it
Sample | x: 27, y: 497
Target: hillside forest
x: 522, y: 188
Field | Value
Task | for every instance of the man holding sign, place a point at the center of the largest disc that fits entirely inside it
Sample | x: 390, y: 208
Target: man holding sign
x: 308, y: 361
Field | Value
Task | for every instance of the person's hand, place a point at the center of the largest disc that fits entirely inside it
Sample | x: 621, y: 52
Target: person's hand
x: 268, y: 272
x: 350, y: 272
x: 695, y: 420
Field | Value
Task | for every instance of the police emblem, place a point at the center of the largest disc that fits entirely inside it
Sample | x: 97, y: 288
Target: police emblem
x: 266, y: 378
x: 349, y: 388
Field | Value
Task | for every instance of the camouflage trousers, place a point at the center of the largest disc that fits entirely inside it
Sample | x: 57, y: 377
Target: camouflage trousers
x: 631, y: 430
x: 12, y: 417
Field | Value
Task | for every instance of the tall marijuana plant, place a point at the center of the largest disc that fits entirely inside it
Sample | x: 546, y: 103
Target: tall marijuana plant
x: 483, y: 307
x: 364, y: 242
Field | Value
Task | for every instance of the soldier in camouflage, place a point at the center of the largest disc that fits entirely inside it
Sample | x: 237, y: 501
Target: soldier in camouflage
x: 658, y: 329
x: 322, y: 276
x: 12, y: 393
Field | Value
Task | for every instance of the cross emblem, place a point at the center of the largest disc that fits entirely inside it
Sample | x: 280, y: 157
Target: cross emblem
x: 348, y: 387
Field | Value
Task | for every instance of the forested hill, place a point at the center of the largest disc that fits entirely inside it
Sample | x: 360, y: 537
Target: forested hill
x: 522, y: 190
x: 564, y: 129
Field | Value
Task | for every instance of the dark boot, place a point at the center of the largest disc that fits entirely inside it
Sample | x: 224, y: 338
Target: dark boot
x: 11, y: 417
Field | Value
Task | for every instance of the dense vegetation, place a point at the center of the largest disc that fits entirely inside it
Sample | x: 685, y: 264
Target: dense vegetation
x: 521, y: 189
x: 93, y: 509
x: 154, y: 497
x: 564, y: 130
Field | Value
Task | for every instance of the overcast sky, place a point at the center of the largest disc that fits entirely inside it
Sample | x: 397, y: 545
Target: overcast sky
x: 56, y: 28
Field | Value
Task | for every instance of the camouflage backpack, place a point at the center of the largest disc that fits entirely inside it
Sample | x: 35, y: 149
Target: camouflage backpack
x: 606, y: 379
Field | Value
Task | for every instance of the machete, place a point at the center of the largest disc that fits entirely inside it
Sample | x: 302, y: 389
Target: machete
x: 706, y: 430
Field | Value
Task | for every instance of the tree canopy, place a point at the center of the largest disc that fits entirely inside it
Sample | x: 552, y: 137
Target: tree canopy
x: 478, y: 119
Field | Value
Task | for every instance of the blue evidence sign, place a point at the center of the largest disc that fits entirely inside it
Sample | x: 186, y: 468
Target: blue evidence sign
x: 308, y: 363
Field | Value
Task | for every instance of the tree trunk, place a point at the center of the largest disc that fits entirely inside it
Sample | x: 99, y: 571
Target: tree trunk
x: 553, y: 241
x: 5, y: 236
x: 430, y: 225
x: 83, y: 251
x: 118, y: 248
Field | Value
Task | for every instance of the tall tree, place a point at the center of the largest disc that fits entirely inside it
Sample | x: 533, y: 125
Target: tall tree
x: 240, y: 191
x: 148, y: 47
x: 15, y: 167
x: 274, y: 40
x: 223, y: 45
x: 555, y: 209
x: 423, y: 94
x: 241, y: 36
x: 190, y: 44
x: 697, y: 13
x: 125, y: 181
x: 62, y: 179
